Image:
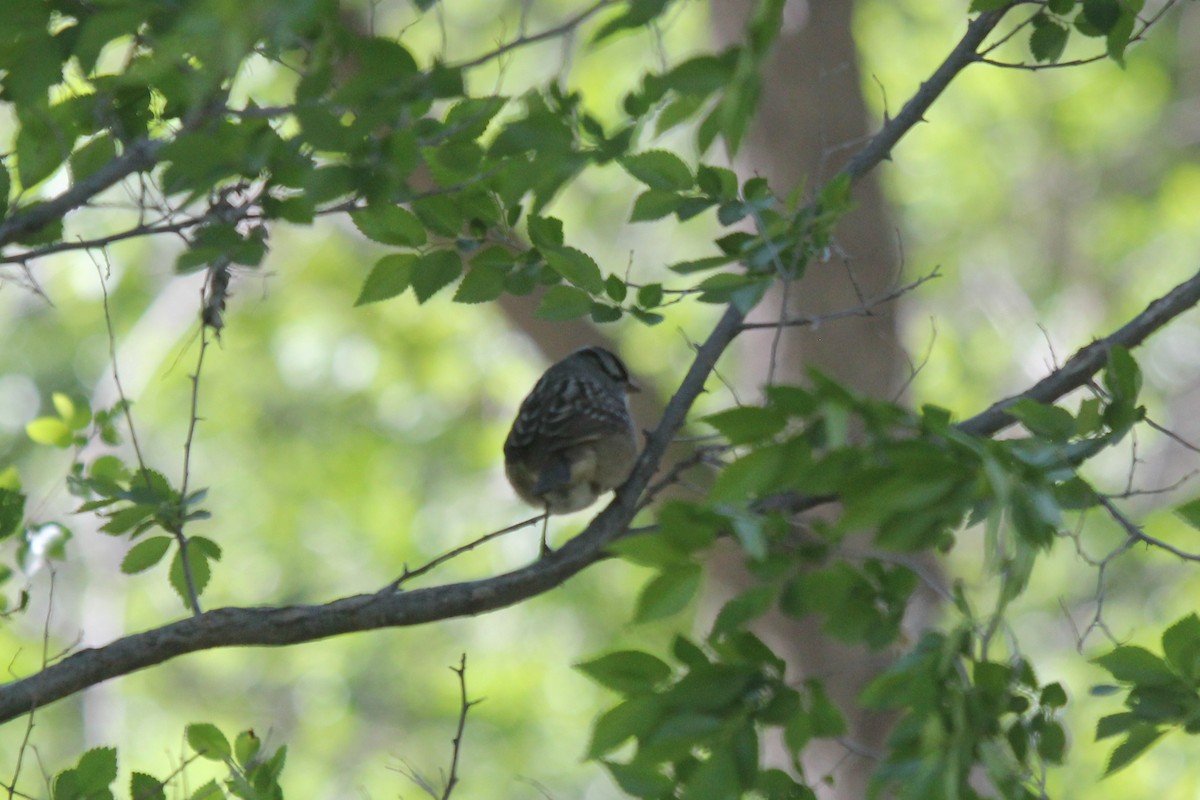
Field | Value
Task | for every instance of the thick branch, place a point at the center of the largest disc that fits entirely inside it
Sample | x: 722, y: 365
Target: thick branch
x: 227, y: 627
x: 138, y: 157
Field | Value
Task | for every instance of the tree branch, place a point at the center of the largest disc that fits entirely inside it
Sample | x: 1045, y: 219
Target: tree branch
x: 1084, y: 364
x: 274, y: 627
x: 140, y: 155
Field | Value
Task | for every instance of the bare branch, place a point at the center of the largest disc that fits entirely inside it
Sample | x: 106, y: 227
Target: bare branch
x: 1085, y: 363
x: 863, y: 310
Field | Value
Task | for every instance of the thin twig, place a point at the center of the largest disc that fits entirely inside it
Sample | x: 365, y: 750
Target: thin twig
x: 464, y: 707
x: 184, y: 559
x: 1136, y: 534
x: 458, y: 551
x: 528, y: 39
x: 862, y: 310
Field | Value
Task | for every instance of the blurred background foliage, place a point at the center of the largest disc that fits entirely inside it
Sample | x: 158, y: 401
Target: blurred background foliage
x: 341, y: 443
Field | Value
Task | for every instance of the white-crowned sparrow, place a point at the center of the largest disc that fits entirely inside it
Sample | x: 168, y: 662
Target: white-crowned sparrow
x: 573, y: 438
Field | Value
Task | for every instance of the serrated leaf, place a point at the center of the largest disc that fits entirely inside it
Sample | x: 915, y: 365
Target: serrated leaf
x: 1102, y: 14
x: 209, y: 791
x: 96, y: 771
x: 654, y: 204
x: 390, y: 224
x: 563, y: 302
x: 1048, y: 41
x: 626, y: 671
x: 1122, y: 376
x: 659, y: 169
x: 545, y: 232
x: 748, y: 605
x: 246, y: 747
x: 1136, y: 743
x: 577, y: 267
x: 1181, y: 646
x: 1114, y: 724
x: 635, y: 717
x: 1051, y: 422
x: 145, y: 554
x: 433, y: 272
x: 1133, y: 664
x: 390, y: 276
x: 201, y: 572
x: 50, y: 431
x: 207, y: 740
x: 640, y: 780
x: 482, y: 283
x: 668, y: 592
x: 145, y: 787
x: 747, y: 424
x: 12, y: 511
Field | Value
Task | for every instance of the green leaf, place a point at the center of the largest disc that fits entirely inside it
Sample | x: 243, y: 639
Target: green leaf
x: 145, y: 787
x: 635, y: 717
x: 715, y: 779
x: 1133, y: 664
x: 748, y: 605
x: 626, y: 671
x: 1102, y: 14
x: 1122, y: 376
x: 389, y: 224
x: 1052, y: 742
x: 201, y: 572
x: 545, y: 232
x: 49, y: 430
x: 1051, y: 422
x: 577, y: 267
x: 434, y: 271
x: 648, y: 550
x: 636, y: 14
x: 640, y: 780
x: 96, y: 771
x: 1140, y: 738
x: 75, y: 416
x: 668, y: 592
x: 747, y: 424
x: 482, y: 283
x: 145, y: 554
x: 563, y: 302
x: 208, y: 741
x: 390, y: 276
x: 209, y: 791
x: 1115, y: 724
x: 1048, y: 40
x: 1181, y: 646
x: 654, y: 204
x: 978, y: 6
x: 659, y: 169
x: 1053, y: 695
x: 88, y: 160
x: 12, y: 511
x: 41, y: 148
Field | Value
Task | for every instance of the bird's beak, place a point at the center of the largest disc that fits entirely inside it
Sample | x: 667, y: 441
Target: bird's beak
x: 632, y: 387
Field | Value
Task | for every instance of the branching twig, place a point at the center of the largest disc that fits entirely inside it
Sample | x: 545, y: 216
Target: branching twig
x: 528, y: 39
x: 138, y: 156
x: 862, y: 310
x: 464, y: 707
x: 1085, y: 363
x: 1136, y: 534
x: 458, y: 551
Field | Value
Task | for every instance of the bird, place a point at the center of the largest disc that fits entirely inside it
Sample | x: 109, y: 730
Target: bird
x: 574, y: 437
